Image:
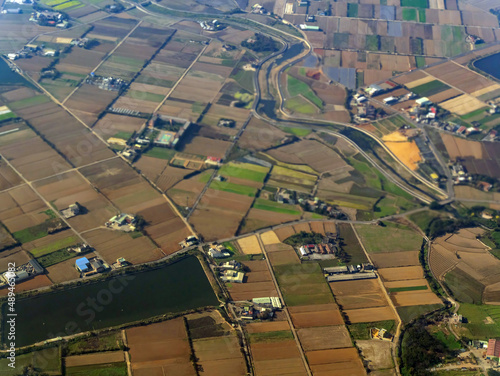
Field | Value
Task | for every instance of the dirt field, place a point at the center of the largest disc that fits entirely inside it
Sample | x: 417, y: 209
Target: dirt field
x: 407, y: 283
x: 284, y: 232
x: 250, y: 245
x: 459, y: 148
x: 462, y: 105
x: 402, y: 273
x: 336, y: 362
x: 359, y: 294
x: 370, y: 314
x: 207, y: 147
x: 329, y: 315
x: 286, y: 256
x: 269, y: 237
x: 326, y: 337
x: 270, y: 351
x: 394, y: 259
x: 8, y: 178
x: 220, y: 356
x: 260, y: 135
x: 97, y: 358
x: 376, y: 353
x: 64, y: 271
x: 267, y: 326
x: 31, y: 284
x: 410, y: 298
x: 258, y: 219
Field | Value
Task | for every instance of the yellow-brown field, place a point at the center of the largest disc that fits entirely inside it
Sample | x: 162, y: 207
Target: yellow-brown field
x: 407, y: 152
x: 462, y: 105
x: 250, y: 245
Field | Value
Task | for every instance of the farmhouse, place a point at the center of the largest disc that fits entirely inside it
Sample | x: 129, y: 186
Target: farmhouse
x: 272, y: 301
x: 89, y: 267
x: 71, y: 211
x: 123, y: 222
x: 232, y: 276
x: 218, y: 251
x: 169, y: 130
x: 82, y: 265
x: 23, y: 272
x: 349, y: 272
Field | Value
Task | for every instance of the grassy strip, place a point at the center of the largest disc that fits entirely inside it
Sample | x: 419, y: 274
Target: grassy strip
x: 409, y: 288
x: 111, y: 369
x: 275, y: 207
x: 281, y: 335
x: 28, y: 102
x: 411, y: 312
x: 415, y: 3
x: 361, y: 331
x: 474, y: 113
x: 55, y: 246
x: 299, y: 132
x: 233, y: 188
x: 55, y: 257
x: 160, y: 153
x: 242, y: 173
x: 430, y: 88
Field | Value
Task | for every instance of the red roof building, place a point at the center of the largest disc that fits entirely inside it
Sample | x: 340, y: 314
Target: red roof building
x: 493, y: 349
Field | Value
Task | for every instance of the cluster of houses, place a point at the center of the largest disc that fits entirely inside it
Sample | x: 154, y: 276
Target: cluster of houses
x: 30, y: 50
x: 22, y: 272
x: 88, y: 267
x: 49, y: 18
x: 349, y: 272
x: 321, y: 249
x: 259, y: 308
x: 106, y: 83
x: 259, y: 9
x: 71, y: 211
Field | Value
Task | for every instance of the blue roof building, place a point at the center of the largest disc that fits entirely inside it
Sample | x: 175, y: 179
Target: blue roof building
x: 82, y: 265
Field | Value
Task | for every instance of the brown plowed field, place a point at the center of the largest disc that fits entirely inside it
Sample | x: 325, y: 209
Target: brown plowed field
x: 317, y: 227
x: 346, y: 288
x: 284, y: 257
x: 248, y: 291
x: 260, y: 135
x: 284, y: 232
x: 370, y: 314
x: 207, y: 147
x: 98, y: 358
x: 407, y: 283
x: 362, y: 301
x: 459, y: 77
x: 402, y: 273
x: 267, y: 326
x: 214, y: 223
x: 302, y: 227
x: 444, y: 95
x: 288, y: 367
x: 410, y: 298
x: 394, y: 259
x: 330, y: 227
x: 336, y: 362
x: 64, y: 271
x: 220, y: 355
x: 378, y: 354
x: 8, y: 178
x: 316, y: 318
x: 258, y: 219
x: 326, y: 337
x: 270, y: 351
x: 31, y: 284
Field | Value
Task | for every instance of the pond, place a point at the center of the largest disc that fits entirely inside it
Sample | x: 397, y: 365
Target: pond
x: 490, y: 65
x: 173, y: 288
x: 9, y: 77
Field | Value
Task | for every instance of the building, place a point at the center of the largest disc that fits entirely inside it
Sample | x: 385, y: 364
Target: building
x: 271, y: 301
x: 350, y: 277
x: 336, y: 270
x: 493, y: 349
x: 232, y: 276
x: 71, y: 211
x: 423, y: 101
x: 122, y: 221
x: 218, y: 251
x: 309, y: 27
x: 12, y: 11
x: 83, y: 265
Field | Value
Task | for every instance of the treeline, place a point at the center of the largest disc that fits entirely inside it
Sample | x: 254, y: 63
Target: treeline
x: 421, y: 351
x: 303, y: 237
x: 260, y: 43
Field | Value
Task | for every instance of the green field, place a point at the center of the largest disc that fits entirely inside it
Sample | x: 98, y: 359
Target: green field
x: 411, y: 312
x: 352, y: 10
x: 160, y: 153
x: 351, y: 244
x: 424, y: 218
x: 303, y: 284
x: 105, y: 342
x: 409, y: 14
x: 463, y: 287
x: 245, y: 171
x: 299, y: 132
x: 28, y: 102
x: 112, y: 369
x: 145, y: 96
x: 129, y: 61
x: 47, y: 361
x: 421, y: 15
x: 391, y: 238
x: 361, y: 331
x: 409, y: 288
x: 67, y: 5
x: 55, y: 257
x: 54, y: 246
x: 276, y: 207
x: 233, y: 188
x: 8, y: 115
x: 430, y: 88
x: 472, y: 114
x: 449, y: 340
x: 123, y: 135
x: 281, y: 335
x: 372, y: 42
x: 415, y: 3
x: 420, y: 61
x: 307, y: 179
x: 297, y: 87
x: 476, y: 316
x: 299, y: 104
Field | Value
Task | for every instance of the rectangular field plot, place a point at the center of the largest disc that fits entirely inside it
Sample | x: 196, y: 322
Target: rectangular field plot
x: 40, y: 162
x: 359, y: 294
x: 370, y: 314
x: 281, y: 358
x: 315, y: 315
x: 8, y: 177
x: 161, y: 347
x: 267, y: 326
x: 281, y: 254
x: 410, y: 298
x: 393, y: 259
x: 250, y: 245
x: 325, y: 337
x: 97, y: 358
x: 220, y: 356
x: 391, y: 238
x: 401, y: 273
x: 336, y: 362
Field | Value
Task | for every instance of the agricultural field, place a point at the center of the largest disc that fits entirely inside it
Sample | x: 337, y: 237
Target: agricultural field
x: 391, y: 237
x: 258, y: 282
x: 466, y: 266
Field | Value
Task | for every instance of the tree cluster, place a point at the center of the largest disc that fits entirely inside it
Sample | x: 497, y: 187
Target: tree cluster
x: 303, y: 237
x: 260, y: 43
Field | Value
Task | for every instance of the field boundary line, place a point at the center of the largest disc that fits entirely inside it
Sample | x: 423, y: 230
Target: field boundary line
x: 102, y: 61
x: 398, y: 329
x: 127, y: 355
x: 292, y: 327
